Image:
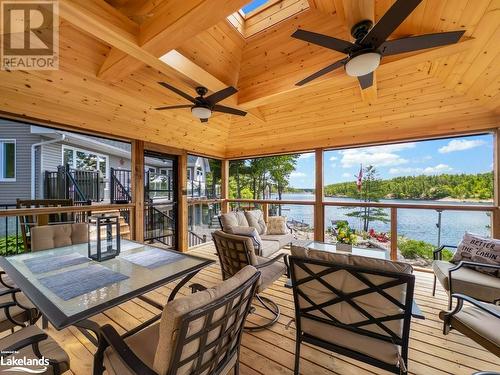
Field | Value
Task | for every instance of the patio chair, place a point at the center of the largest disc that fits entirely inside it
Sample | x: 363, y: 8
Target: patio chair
x: 356, y: 306
x: 31, y: 342
x: 479, y: 321
x: 16, y: 310
x: 236, y: 252
x: 197, y: 334
x: 464, y: 279
x: 52, y: 236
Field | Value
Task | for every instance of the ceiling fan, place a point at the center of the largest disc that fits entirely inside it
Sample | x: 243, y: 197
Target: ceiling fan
x: 202, y: 106
x: 371, y: 44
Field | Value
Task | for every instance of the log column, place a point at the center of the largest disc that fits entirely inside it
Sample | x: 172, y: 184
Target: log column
x: 495, y: 215
x: 182, y: 217
x: 319, y: 210
x: 225, y: 185
x: 138, y: 189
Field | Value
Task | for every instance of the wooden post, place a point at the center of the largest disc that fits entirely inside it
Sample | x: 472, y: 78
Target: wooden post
x: 394, y: 233
x: 225, y: 185
x: 182, y: 217
x: 495, y: 215
x: 319, y: 210
x: 265, y: 211
x: 137, y: 168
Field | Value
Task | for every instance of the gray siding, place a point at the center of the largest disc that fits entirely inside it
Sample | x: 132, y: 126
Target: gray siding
x: 51, y: 156
x: 21, y: 188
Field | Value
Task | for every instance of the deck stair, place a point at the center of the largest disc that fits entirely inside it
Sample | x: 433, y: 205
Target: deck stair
x: 124, y: 226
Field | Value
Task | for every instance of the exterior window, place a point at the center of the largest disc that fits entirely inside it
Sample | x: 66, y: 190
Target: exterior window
x: 85, y: 160
x: 7, y: 160
x: 190, y: 174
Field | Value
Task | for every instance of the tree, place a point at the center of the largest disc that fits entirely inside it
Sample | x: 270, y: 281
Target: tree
x: 281, y: 168
x: 370, y: 192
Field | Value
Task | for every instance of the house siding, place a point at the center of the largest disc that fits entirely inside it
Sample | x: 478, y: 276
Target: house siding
x: 21, y: 188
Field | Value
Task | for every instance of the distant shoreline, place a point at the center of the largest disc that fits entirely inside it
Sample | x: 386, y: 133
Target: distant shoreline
x: 465, y: 200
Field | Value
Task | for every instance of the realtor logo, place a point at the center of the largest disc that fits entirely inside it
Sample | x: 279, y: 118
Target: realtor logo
x: 30, y: 35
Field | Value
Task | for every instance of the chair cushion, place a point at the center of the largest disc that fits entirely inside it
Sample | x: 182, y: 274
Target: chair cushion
x: 255, y: 219
x: 269, y: 274
x: 468, y: 281
x: 277, y: 225
x: 175, y: 310
x: 268, y: 248
x: 48, y: 348
x: 479, y: 249
x: 53, y: 236
x: 143, y: 344
x: 17, y: 313
x: 478, y: 325
x: 382, y: 350
x: 233, y: 219
x: 283, y: 239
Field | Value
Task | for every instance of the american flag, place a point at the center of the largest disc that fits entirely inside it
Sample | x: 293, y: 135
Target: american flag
x: 359, y: 182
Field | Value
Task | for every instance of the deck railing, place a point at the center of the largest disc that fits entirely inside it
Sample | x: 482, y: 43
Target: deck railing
x: 120, y: 187
x: 75, y: 184
x: 158, y: 226
x: 318, y: 214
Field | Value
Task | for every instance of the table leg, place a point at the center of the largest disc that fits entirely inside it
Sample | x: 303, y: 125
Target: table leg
x: 180, y: 284
x: 89, y: 327
x: 45, y: 322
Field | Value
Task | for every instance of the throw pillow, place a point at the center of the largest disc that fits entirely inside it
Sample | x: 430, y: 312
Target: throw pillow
x: 277, y: 225
x: 247, y: 232
x: 255, y: 219
x: 479, y: 249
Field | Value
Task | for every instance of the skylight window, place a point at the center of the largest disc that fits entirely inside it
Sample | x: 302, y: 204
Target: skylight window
x: 252, y: 5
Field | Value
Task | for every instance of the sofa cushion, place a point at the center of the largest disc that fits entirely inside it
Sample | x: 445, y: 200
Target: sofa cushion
x: 479, y: 325
x: 247, y: 232
x: 268, y: 248
x: 282, y: 239
x: 479, y: 249
x: 175, y: 310
x: 468, y: 281
x: 233, y: 219
x: 277, y: 225
x: 255, y: 219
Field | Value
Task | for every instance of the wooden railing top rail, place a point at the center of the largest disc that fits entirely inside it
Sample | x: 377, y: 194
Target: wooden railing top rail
x: 421, y: 206
x: 54, y: 210
x: 204, y: 201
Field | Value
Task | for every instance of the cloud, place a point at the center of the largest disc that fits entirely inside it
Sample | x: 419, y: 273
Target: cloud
x: 306, y: 156
x: 297, y: 174
x: 346, y: 175
x: 376, y: 156
x: 440, y: 168
x: 460, y: 145
x: 333, y: 158
x: 333, y: 165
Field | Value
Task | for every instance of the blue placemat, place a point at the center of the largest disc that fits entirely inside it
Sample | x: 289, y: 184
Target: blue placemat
x: 54, y: 262
x: 152, y: 258
x: 73, y: 283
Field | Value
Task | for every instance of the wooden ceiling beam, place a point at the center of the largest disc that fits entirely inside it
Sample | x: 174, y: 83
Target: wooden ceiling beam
x: 173, y: 23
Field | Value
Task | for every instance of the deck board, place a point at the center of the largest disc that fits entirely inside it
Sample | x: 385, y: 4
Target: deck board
x: 271, y: 352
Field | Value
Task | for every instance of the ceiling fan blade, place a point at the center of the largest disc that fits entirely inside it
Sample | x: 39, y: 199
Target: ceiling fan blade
x: 203, y: 120
x: 221, y: 95
x: 389, y: 22
x: 415, y: 43
x: 319, y: 73
x: 366, y: 80
x: 178, y: 92
x: 174, y: 107
x: 231, y: 111
x: 324, y: 41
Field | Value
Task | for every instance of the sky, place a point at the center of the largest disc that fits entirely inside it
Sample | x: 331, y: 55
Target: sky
x: 252, y: 5
x: 473, y: 154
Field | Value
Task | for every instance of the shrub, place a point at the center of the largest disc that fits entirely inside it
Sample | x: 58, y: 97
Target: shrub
x: 8, y: 245
x: 412, y: 249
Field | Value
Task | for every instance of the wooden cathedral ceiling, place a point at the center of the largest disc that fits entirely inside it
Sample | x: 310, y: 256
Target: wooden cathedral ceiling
x: 109, y: 68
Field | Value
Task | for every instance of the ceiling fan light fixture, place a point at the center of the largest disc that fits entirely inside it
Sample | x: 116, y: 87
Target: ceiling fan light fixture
x: 201, y: 112
x: 363, y: 64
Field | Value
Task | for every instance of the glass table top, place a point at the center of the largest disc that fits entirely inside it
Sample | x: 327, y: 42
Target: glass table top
x: 139, y: 280
x: 372, y: 253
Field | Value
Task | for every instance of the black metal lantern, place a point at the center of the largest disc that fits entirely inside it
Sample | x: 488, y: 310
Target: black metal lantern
x: 104, y: 237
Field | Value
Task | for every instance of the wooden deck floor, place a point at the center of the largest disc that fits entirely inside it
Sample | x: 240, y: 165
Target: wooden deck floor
x: 271, y: 351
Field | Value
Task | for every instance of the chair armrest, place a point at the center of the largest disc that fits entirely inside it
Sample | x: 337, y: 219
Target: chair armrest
x: 32, y: 340
x: 197, y: 288
x: 9, y: 291
x: 461, y: 298
x: 437, y: 254
x: 467, y: 263
x: 270, y: 261
x: 126, y: 355
x: 2, y: 281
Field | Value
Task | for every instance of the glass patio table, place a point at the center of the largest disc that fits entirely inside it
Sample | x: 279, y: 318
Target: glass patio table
x: 134, y: 281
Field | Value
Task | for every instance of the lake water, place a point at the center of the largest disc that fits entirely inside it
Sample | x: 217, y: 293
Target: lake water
x: 413, y: 223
